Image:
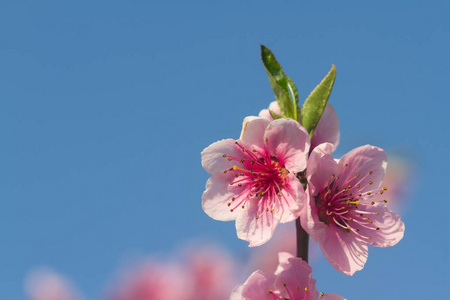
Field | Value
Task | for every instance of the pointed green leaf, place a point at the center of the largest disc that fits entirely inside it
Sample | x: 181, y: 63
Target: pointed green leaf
x: 278, y: 81
x: 315, y: 103
x: 274, y: 115
x: 294, y: 94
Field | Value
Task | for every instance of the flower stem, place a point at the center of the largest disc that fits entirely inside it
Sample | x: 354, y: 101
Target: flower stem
x: 302, y: 241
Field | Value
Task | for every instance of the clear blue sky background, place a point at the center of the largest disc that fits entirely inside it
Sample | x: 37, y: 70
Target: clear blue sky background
x: 105, y: 107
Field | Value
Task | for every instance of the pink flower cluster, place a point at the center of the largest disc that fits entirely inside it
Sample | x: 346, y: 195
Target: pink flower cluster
x: 292, y: 281
x: 275, y: 174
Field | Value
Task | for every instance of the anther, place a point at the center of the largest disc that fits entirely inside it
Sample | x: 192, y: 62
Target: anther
x: 381, y: 192
x: 239, y: 185
x: 357, y: 175
x: 254, y: 150
x: 306, y: 289
x: 242, y: 161
x: 270, y: 291
x: 229, y: 158
x: 231, y: 210
x: 232, y: 199
x: 266, y: 139
x: 384, y: 188
x: 358, y: 185
x: 257, y: 217
x: 378, y: 228
x: 346, y: 165
x: 372, y: 203
x: 377, y: 213
x: 369, y: 193
x: 243, y: 206
x: 370, y: 237
x: 284, y: 284
x: 322, y: 294
x: 370, y: 173
x: 225, y: 172
x: 370, y: 182
x: 385, y: 201
x: 229, y: 204
x: 231, y: 183
x: 224, y: 155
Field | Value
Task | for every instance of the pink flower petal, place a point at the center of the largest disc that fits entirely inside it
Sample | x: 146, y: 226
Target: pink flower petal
x: 273, y: 107
x: 321, y: 166
x: 288, y: 141
x: 296, y: 282
x: 216, y: 197
x: 327, y: 131
x: 366, y: 161
x: 253, y: 130
x: 259, y: 230
x: 283, y: 259
x: 258, y: 285
x: 212, y: 157
x: 390, y: 227
x: 343, y: 250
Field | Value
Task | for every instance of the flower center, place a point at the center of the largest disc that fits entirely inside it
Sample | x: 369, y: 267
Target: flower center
x: 345, y: 203
x: 257, y: 175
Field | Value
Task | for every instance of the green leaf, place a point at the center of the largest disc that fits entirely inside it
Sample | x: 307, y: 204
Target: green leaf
x: 294, y: 94
x: 315, y: 103
x: 274, y: 115
x: 278, y: 81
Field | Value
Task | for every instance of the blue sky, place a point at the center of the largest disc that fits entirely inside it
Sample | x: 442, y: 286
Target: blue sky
x: 105, y: 107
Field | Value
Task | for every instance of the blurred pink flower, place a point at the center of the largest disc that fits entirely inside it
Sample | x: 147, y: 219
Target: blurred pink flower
x: 254, y: 178
x: 151, y: 281
x: 211, y: 273
x: 327, y: 130
x: 292, y: 280
x: 340, y: 213
x: 45, y: 284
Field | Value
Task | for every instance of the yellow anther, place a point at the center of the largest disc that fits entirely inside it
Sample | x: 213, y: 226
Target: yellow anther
x: 229, y: 204
x: 357, y: 185
x: 306, y: 289
x: 257, y: 217
x: 229, y: 158
x: 357, y: 175
x: 370, y: 237
x: 231, y: 183
x: 376, y: 213
x: 254, y: 150
x: 232, y: 199
x: 224, y: 155
x: 369, y: 193
x: 372, y: 203
x: 370, y: 173
x: 284, y: 284
x: 266, y: 139
x: 381, y: 192
x: 385, y: 201
x: 384, y: 188
x: 321, y: 294
x: 370, y: 182
x: 231, y: 210
x: 346, y: 165
x: 242, y: 161
x: 225, y: 172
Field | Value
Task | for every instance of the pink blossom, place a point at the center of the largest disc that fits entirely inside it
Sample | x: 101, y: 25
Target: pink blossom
x: 151, y: 281
x: 210, y: 273
x: 253, y: 179
x: 340, y: 213
x: 327, y: 131
x: 45, y: 284
x: 292, y: 281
